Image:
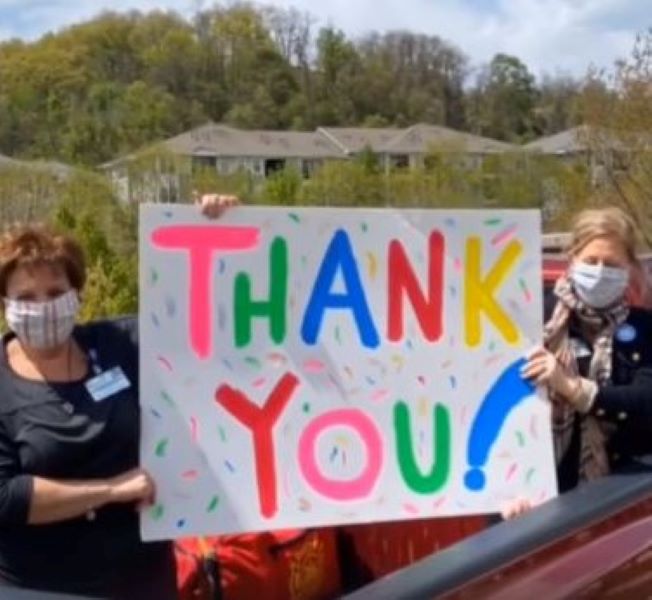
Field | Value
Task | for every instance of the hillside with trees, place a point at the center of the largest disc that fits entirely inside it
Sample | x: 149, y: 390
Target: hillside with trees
x: 121, y: 82
x: 102, y: 88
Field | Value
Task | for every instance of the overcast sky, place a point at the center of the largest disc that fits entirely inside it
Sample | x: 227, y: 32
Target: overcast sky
x: 548, y: 35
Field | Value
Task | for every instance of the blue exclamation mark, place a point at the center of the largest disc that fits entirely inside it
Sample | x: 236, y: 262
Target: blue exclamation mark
x: 508, y: 392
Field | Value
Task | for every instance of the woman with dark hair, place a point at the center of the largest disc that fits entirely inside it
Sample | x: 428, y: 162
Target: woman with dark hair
x: 70, y: 486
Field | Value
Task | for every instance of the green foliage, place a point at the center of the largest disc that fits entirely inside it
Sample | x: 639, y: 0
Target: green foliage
x: 618, y: 113
x: 81, y: 204
x: 282, y: 188
x: 504, y: 101
x: 117, y: 83
x: 446, y: 180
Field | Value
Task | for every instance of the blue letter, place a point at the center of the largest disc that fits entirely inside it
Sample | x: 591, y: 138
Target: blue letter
x: 339, y: 255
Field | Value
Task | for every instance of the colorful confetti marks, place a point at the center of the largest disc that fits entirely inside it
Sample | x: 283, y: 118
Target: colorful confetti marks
x: 170, y: 307
x: 168, y: 399
x: 190, y: 475
x: 380, y: 395
x: 314, y: 366
x: 530, y: 475
x: 504, y: 236
x: 520, y: 438
x: 411, y: 509
x: 166, y: 363
x: 252, y: 361
x: 156, y: 512
x: 161, y: 448
x: 526, y: 292
x: 276, y: 359
x: 372, y: 265
x: 213, y: 504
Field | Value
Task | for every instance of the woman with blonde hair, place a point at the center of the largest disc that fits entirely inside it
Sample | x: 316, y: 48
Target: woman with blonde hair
x: 597, y: 357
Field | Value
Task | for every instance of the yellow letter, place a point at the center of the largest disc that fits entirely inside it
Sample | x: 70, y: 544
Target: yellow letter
x: 479, y: 294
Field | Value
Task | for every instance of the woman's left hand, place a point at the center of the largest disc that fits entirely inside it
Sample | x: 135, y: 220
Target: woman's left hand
x: 543, y: 368
x: 214, y: 205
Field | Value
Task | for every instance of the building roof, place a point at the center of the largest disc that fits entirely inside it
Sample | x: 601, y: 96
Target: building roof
x: 579, y: 139
x: 571, y: 141
x: 57, y: 169
x: 220, y: 140
x: 423, y: 138
x: 353, y: 140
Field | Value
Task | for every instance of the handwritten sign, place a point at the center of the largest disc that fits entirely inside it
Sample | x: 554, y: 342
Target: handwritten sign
x: 322, y: 366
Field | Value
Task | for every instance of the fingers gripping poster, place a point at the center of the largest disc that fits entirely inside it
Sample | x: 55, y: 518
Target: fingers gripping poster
x: 322, y: 366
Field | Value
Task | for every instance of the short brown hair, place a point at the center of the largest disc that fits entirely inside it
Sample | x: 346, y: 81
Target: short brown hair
x: 31, y: 246
x: 610, y: 222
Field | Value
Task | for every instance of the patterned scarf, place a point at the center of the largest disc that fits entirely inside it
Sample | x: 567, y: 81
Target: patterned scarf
x: 601, y: 326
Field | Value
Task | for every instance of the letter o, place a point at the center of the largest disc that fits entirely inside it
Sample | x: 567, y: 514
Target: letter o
x: 353, y: 489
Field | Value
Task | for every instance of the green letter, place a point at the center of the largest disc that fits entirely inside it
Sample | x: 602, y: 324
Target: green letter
x: 246, y: 309
x: 438, y: 476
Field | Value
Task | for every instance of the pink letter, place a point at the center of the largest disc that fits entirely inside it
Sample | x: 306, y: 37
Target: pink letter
x: 202, y: 242
x: 354, y: 489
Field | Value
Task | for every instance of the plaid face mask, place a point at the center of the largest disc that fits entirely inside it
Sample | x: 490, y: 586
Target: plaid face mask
x: 43, y: 325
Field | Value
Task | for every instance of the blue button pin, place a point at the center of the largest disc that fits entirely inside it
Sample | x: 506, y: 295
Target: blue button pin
x: 626, y: 333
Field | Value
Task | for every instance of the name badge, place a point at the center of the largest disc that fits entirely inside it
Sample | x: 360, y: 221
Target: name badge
x: 107, y: 384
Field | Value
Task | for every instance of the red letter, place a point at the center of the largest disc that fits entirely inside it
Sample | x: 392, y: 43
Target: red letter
x: 401, y: 278
x: 202, y: 242
x: 261, y: 422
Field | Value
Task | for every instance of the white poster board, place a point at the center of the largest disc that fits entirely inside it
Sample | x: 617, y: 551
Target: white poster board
x: 312, y: 367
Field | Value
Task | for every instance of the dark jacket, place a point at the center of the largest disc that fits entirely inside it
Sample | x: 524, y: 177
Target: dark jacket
x: 625, y: 403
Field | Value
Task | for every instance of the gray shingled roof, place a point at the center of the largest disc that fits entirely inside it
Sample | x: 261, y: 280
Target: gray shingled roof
x: 577, y: 140
x: 57, y: 169
x: 571, y: 141
x: 422, y: 138
x: 219, y: 140
x: 353, y: 140
x: 213, y: 139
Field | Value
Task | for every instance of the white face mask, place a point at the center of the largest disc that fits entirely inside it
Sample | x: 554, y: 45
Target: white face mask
x: 599, y: 286
x: 43, y: 325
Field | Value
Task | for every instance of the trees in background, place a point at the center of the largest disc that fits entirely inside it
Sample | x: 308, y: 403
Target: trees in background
x: 122, y: 81
x: 618, y: 110
x: 112, y: 85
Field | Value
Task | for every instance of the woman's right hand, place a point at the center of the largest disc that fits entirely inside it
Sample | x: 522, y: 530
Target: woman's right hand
x: 516, y: 508
x: 133, y: 486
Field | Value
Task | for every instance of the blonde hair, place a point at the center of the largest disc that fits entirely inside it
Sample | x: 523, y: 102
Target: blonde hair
x: 611, y: 222
x: 32, y: 246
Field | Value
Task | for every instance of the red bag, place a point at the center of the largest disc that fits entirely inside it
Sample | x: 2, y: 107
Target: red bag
x: 282, y: 565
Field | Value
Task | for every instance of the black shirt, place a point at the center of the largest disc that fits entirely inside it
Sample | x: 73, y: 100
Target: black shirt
x: 57, y: 431
x: 625, y: 402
